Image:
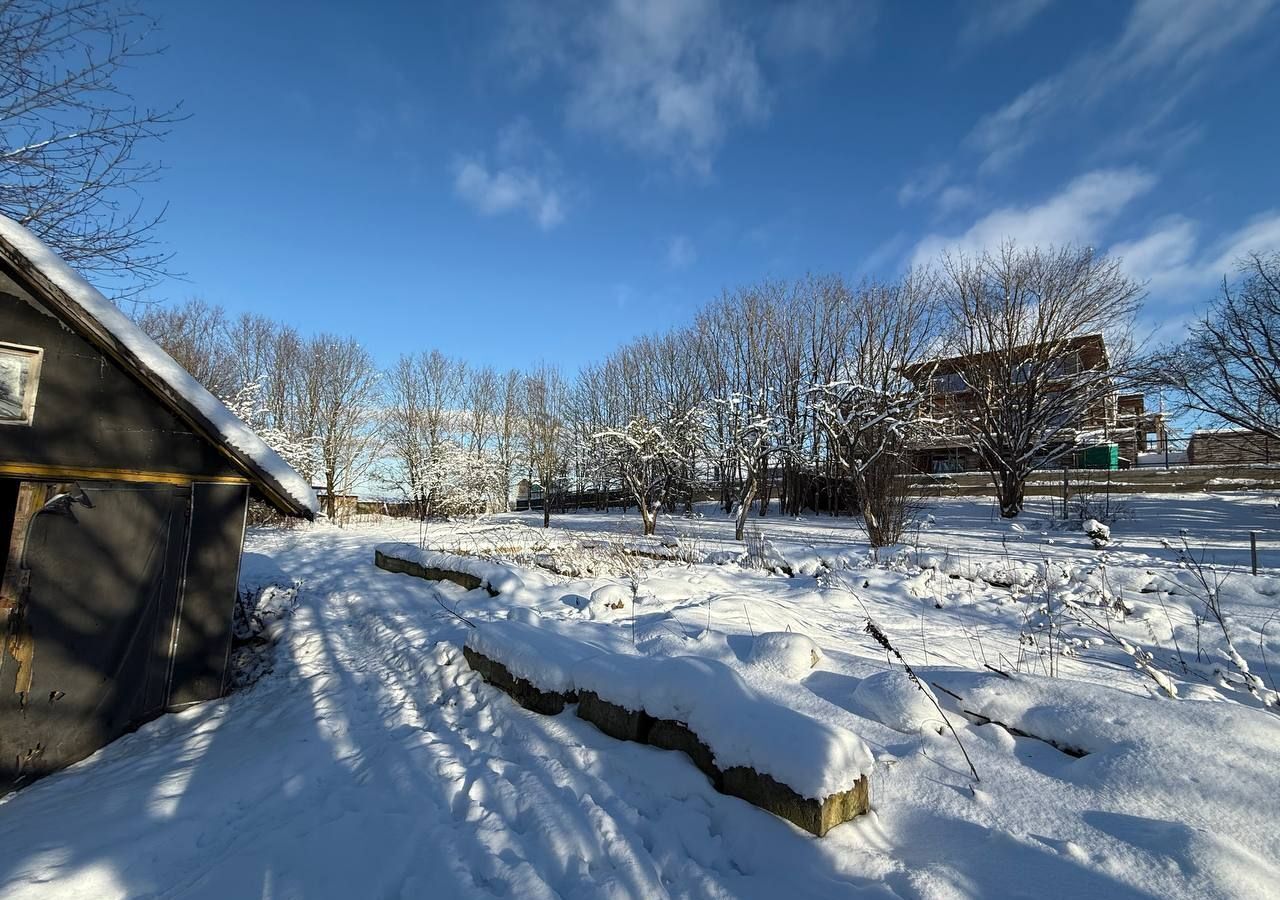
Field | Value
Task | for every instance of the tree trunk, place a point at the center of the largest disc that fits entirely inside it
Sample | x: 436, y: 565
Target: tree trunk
x: 1011, y: 490
x: 764, y: 489
x: 744, y: 507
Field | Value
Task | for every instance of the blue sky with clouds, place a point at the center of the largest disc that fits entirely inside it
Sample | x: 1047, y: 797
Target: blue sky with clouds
x: 512, y: 182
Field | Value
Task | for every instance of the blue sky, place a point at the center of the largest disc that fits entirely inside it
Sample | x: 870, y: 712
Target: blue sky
x: 511, y: 184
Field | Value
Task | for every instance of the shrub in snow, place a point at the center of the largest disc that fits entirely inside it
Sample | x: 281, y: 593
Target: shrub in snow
x: 893, y: 699
x: 786, y: 653
x: 611, y: 597
x: 1097, y: 532
x: 257, y: 623
x: 665, y: 641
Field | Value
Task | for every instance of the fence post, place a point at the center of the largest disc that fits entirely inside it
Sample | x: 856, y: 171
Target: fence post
x: 1065, y: 483
x: 1253, y: 550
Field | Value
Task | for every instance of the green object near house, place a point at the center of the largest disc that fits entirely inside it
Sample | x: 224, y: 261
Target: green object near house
x: 1099, y: 456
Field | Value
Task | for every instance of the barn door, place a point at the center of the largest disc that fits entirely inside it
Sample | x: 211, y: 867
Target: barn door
x: 91, y: 582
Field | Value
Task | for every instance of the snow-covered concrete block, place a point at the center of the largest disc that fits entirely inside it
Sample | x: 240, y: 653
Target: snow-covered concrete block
x: 806, y: 770
x: 614, y: 720
x: 816, y: 758
x: 815, y: 816
x: 540, y: 655
x: 524, y: 692
x: 470, y: 572
x: 408, y: 567
x: 670, y: 735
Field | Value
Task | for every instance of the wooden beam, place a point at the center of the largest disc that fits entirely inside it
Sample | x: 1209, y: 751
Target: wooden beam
x: 38, y: 471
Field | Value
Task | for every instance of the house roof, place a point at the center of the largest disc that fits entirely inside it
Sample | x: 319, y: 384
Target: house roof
x: 31, y: 263
x: 948, y: 363
x: 1227, y: 430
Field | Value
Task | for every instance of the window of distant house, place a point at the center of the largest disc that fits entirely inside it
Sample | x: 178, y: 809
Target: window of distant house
x: 951, y: 383
x: 1066, y: 365
x: 19, y: 377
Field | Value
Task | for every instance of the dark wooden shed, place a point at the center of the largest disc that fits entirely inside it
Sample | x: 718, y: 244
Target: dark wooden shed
x: 123, y: 492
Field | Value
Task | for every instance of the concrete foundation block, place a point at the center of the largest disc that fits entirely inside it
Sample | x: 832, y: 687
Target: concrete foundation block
x: 669, y: 735
x: 815, y: 816
x: 549, y: 703
x: 613, y: 720
x: 407, y: 567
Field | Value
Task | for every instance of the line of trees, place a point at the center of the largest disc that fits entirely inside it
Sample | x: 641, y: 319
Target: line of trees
x: 821, y: 391
x: 817, y: 389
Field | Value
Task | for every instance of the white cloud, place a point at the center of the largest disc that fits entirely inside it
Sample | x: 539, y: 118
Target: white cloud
x: 1162, y: 258
x: 496, y: 191
x: 932, y: 184
x: 992, y: 20
x: 524, y: 177
x: 955, y: 197
x: 1167, y: 40
x: 669, y: 78
x: 1179, y: 269
x: 823, y: 27
x: 680, y: 252
x: 1078, y: 214
x: 924, y: 184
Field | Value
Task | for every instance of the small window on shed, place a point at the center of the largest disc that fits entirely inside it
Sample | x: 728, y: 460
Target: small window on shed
x: 19, y: 377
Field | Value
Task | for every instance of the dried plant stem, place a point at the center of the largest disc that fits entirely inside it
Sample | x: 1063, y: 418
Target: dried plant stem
x: 883, y: 640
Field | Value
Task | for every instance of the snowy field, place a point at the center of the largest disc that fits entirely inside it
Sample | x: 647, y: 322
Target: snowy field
x: 1116, y: 701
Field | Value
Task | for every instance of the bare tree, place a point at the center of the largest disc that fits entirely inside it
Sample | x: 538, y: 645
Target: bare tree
x: 251, y: 345
x: 747, y: 427
x: 872, y: 411
x: 69, y: 133
x: 1229, y: 365
x: 507, y: 432
x: 338, y: 387
x: 545, y: 432
x: 1025, y: 330
x: 419, y: 417
x: 195, y: 334
x: 480, y: 399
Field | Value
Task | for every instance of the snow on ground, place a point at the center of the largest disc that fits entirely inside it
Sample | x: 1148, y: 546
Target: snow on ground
x: 370, y: 762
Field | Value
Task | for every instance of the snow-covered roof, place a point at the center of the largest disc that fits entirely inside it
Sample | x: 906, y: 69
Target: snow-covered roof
x: 58, y: 284
x: 1227, y: 430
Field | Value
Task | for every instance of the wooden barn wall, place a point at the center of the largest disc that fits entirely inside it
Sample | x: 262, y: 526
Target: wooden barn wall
x: 89, y: 412
x: 1231, y: 447
x: 209, y: 591
x: 87, y: 654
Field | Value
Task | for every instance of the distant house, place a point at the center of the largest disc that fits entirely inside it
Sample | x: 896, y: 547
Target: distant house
x: 1110, y: 433
x: 1231, y: 446
x: 124, y: 487
x: 528, y: 495
x: 344, y: 505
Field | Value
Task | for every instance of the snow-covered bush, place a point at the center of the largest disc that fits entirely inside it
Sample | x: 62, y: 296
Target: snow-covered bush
x: 1097, y: 532
x: 610, y: 599
x: 893, y: 699
x: 785, y: 653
